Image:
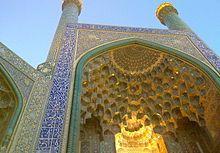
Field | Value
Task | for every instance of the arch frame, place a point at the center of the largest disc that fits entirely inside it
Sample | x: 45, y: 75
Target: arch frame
x: 18, y: 109
x: 74, y: 128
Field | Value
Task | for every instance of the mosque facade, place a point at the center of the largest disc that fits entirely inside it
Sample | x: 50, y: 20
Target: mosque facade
x: 112, y: 89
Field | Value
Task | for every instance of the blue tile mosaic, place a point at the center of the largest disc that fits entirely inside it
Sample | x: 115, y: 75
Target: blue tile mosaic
x: 53, y: 120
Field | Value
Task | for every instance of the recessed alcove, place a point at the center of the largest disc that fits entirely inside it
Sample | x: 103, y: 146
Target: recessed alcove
x: 166, y: 94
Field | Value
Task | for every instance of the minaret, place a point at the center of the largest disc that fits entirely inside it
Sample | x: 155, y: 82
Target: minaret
x: 70, y: 12
x: 168, y: 16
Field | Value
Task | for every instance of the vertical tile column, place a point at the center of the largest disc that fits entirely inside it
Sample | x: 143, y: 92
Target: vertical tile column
x: 52, y: 127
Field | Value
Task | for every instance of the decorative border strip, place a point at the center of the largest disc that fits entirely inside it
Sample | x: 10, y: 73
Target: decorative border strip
x: 51, y: 131
x: 210, y: 55
x: 207, y: 52
x: 127, y: 29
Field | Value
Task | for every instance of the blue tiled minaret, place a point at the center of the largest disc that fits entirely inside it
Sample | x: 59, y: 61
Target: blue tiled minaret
x: 71, y: 10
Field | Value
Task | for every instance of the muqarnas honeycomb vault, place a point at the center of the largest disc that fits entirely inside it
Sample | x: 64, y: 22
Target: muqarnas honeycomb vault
x: 111, y: 89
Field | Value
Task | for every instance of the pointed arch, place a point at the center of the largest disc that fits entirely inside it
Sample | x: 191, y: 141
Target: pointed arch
x: 75, y: 114
x: 18, y: 106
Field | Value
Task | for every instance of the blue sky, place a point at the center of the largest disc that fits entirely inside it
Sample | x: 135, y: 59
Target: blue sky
x: 27, y: 26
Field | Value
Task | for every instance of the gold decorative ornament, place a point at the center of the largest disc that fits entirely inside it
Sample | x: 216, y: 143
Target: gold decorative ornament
x: 135, y: 137
x: 165, y: 9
